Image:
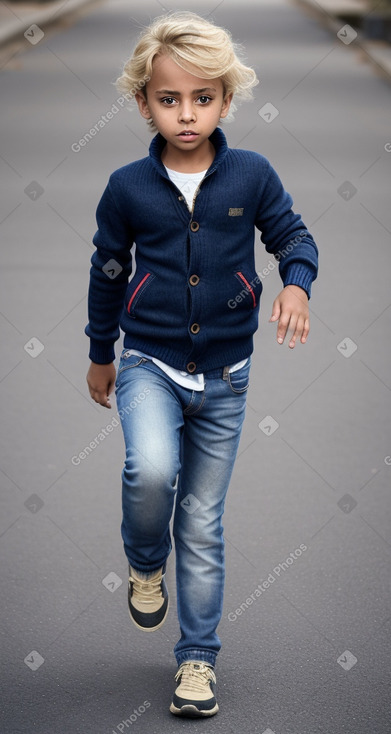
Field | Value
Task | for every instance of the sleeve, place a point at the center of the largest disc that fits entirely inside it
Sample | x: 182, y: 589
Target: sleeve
x: 285, y: 236
x: 111, y: 266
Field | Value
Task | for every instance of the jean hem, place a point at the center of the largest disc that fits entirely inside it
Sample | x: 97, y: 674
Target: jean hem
x: 149, y: 570
x: 207, y: 656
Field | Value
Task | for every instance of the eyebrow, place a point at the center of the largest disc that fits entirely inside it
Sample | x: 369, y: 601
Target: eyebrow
x: 178, y: 94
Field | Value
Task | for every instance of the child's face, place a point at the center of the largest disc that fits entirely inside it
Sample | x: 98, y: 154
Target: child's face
x: 178, y: 101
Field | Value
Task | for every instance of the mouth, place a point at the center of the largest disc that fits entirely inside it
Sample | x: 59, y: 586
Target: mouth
x: 187, y: 135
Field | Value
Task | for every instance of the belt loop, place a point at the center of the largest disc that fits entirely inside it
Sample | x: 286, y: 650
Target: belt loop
x: 225, y: 372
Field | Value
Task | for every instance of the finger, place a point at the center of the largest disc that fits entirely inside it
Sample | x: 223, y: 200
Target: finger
x: 282, y: 329
x: 297, y: 330
x: 276, y: 310
x: 105, y: 401
x: 101, y: 398
x: 306, y: 331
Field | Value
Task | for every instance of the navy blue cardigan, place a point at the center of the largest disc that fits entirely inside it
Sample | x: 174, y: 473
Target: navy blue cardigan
x: 193, y: 300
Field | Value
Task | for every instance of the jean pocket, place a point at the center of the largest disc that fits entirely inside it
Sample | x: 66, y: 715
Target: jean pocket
x: 128, y: 361
x: 240, y: 379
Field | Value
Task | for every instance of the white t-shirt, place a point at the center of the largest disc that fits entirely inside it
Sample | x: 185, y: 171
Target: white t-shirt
x: 187, y: 183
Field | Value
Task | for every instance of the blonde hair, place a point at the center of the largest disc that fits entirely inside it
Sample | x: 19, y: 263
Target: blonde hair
x: 197, y: 46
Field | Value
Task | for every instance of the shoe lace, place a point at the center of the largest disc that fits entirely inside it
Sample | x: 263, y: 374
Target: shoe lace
x: 146, y: 590
x: 195, y: 675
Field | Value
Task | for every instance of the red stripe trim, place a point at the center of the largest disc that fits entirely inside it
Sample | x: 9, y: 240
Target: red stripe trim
x: 249, y: 288
x: 137, y: 290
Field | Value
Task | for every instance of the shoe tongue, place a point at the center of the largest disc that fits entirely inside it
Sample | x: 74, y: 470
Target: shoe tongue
x: 198, y: 666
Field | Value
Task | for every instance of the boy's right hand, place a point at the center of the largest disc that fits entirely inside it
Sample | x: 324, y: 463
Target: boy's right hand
x: 101, y: 380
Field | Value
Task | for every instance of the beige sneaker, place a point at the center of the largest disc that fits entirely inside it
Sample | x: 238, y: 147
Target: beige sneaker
x: 195, y: 694
x: 147, y: 599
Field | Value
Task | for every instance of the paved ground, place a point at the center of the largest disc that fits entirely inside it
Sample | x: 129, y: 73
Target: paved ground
x: 308, y: 509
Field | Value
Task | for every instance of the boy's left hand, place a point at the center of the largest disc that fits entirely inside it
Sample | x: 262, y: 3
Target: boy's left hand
x: 291, y: 310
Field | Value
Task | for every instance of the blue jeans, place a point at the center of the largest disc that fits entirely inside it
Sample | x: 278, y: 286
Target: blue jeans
x: 181, y: 446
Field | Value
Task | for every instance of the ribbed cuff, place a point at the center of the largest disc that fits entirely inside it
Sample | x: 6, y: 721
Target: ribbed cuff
x: 301, y: 275
x: 101, y: 352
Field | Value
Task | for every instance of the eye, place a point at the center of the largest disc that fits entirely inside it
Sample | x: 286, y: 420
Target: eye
x: 168, y: 101
x: 204, y: 99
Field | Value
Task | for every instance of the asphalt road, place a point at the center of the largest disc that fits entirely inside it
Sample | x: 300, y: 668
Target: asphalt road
x: 308, y: 512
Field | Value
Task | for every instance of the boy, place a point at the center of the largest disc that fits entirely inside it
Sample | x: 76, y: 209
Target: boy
x: 189, y: 314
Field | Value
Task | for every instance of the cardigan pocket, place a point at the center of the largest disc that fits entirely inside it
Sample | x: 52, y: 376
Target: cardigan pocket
x: 136, y: 290
x: 251, y: 288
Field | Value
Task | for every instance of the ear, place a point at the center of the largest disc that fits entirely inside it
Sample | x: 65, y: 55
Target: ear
x: 226, y: 105
x: 142, y: 105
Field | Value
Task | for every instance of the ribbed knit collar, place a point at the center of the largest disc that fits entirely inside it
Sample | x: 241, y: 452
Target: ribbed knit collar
x: 217, y: 139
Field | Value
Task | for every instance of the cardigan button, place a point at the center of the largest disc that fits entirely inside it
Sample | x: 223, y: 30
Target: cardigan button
x: 195, y: 328
x: 191, y: 366
x: 194, y: 226
x: 194, y: 279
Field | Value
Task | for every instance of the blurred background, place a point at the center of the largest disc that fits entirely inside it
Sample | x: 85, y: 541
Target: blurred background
x: 309, y: 502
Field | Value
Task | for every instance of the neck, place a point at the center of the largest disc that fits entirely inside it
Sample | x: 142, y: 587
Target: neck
x: 192, y: 161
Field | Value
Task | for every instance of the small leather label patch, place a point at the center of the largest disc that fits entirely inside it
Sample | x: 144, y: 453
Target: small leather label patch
x: 235, y: 212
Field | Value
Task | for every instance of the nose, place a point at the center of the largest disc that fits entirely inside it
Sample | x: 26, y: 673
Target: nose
x: 187, y: 111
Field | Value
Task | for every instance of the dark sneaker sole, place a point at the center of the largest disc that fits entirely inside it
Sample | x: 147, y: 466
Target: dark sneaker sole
x: 192, y: 711
x: 149, y: 629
